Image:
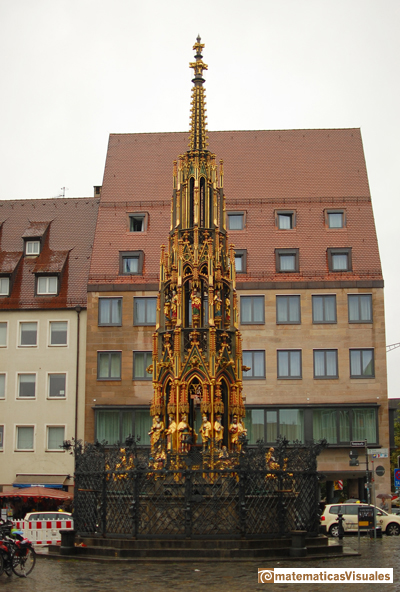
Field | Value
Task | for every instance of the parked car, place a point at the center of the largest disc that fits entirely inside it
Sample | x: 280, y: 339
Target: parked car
x: 32, y: 516
x: 390, y: 523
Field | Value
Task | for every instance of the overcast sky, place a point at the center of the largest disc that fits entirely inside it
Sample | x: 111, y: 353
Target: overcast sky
x: 74, y: 71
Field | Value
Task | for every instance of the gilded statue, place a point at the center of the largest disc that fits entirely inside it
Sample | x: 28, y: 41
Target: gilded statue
x: 174, y: 306
x: 236, y: 430
x: 218, y: 431
x: 170, y: 431
x: 156, y: 432
x: 196, y: 308
x: 185, y: 434
x: 205, y: 432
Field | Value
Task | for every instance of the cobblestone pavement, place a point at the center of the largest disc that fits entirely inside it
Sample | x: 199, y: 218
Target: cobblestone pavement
x: 71, y: 575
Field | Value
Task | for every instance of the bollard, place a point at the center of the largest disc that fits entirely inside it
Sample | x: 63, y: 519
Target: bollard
x: 340, y: 520
x: 67, y: 542
x: 298, y: 548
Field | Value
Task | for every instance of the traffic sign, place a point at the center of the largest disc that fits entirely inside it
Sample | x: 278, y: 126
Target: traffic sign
x: 380, y: 471
x: 397, y: 477
x: 379, y: 452
x: 358, y: 444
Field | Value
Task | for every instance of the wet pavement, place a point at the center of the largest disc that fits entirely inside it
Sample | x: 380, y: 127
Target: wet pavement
x: 72, y: 575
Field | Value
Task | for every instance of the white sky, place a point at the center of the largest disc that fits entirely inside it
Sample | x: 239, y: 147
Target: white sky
x: 74, y: 71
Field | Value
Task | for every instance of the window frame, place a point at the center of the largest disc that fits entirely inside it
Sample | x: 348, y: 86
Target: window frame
x: 109, y: 352
x: 289, y: 351
x: 143, y: 216
x: 21, y: 323
x: 48, y: 428
x: 278, y: 410
x: 5, y: 386
x: 107, y: 299
x: 243, y: 297
x: 146, y: 323
x: 28, y: 425
x: 324, y: 321
x: 32, y: 242
x: 139, y: 255
x: 47, y: 277
x: 285, y: 252
x: 56, y: 397
x: 291, y: 213
x: 149, y: 354
x: 335, y: 211
x: 242, y: 214
x: 6, y: 341
x: 18, y: 384
x: 52, y: 322
x: 121, y: 410
x: 325, y: 376
x: 7, y: 292
x: 2, y: 431
x: 359, y: 296
x: 258, y: 377
x: 350, y: 409
x: 340, y: 251
x: 288, y: 321
x: 362, y: 376
x: 242, y: 254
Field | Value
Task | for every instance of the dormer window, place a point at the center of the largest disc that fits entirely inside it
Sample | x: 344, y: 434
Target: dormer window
x: 137, y: 222
x: 32, y: 247
x: 4, y: 286
x: 47, y: 285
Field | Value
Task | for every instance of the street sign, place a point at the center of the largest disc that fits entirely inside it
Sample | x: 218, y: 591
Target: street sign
x: 379, y: 452
x: 397, y: 477
x: 358, y: 444
x: 365, y: 517
x: 380, y: 471
x: 353, y: 454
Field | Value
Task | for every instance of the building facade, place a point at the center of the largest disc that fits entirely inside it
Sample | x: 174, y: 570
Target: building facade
x: 309, y: 289
x: 45, y: 250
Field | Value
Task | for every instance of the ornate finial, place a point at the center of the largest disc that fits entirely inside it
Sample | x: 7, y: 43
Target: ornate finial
x: 198, y: 138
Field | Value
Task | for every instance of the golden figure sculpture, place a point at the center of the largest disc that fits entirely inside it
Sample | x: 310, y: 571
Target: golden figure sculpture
x: 227, y: 311
x: 170, y: 431
x: 185, y: 434
x: 236, y: 430
x: 196, y: 308
x: 155, y: 433
x: 167, y: 307
x: 218, y: 431
x: 205, y: 432
x: 218, y: 308
x: 174, y: 306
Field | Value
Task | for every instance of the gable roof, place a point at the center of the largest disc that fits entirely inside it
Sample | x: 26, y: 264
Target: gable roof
x: 304, y: 170
x: 66, y: 226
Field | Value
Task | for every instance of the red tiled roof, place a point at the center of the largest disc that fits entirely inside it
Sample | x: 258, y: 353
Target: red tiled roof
x: 304, y: 170
x: 67, y: 249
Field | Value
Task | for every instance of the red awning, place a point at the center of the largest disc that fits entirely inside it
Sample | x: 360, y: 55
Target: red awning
x: 38, y: 492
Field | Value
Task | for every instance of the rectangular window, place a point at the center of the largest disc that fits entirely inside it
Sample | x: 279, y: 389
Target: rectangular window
x: 24, y: 438
x: 141, y: 361
x: 47, y: 285
x: 255, y: 425
x: 289, y: 363
x: 325, y: 363
x: 131, y: 262
x: 252, y: 310
x: 235, y: 221
x: 110, y: 311
x: 58, y: 332
x: 291, y: 424
x: 360, y: 308
x: 324, y: 309
x: 144, y: 311
x: 335, y: 219
x: 26, y: 386
x: 2, y: 386
x: 255, y: 360
x: 362, y: 363
x: 287, y: 260
x: 288, y: 309
x: 4, y: 286
x: 28, y: 334
x: 364, y: 424
x: 1, y: 437
x: 115, y: 425
x: 32, y: 247
x: 339, y: 259
x: 109, y: 365
x: 267, y: 425
x: 272, y: 426
x: 3, y: 334
x: 341, y: 426
x: 137, y: 222
x: 325, y: 425
x: 57, y: 384
x: 55, y: 438
x: 285, y: 220
x: 240, y: 261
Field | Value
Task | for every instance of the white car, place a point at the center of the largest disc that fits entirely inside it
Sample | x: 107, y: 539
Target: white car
x: 390, y: 523
x: 33, y: 516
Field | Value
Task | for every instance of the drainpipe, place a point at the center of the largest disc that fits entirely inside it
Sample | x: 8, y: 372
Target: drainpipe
x: 78, y: 310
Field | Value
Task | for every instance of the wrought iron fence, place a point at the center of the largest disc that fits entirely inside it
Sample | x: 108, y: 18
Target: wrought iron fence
x: 257, y: 492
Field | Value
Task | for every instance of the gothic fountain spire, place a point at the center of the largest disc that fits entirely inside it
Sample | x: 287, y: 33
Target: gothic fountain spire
x: 198, y: 128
